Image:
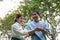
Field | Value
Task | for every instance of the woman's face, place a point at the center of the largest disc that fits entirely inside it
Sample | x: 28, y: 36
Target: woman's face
x: 20, y: 19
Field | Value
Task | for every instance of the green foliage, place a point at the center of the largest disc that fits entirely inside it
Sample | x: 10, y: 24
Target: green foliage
x: 8, y: 20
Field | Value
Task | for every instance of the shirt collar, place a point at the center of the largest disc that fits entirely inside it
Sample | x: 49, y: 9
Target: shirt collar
x: 17, y: 23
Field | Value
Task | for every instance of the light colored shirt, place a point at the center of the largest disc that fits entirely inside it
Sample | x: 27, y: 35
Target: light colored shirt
x: 18, y: 31
x: 38, y: 35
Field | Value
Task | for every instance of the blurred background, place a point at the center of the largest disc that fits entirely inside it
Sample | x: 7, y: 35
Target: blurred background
x: 49, y: 11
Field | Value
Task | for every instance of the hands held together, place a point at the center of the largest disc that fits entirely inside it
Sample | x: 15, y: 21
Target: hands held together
x: 38, y: 28
x: 31, y: 32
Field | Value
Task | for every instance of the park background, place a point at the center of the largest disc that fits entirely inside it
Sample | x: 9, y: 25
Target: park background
x: 49, y: 11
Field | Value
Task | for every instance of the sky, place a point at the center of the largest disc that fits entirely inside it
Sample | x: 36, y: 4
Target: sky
x: 8, y: 5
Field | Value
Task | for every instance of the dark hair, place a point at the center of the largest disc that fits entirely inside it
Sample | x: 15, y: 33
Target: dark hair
x: 17, y: 16
x: 35, y: 11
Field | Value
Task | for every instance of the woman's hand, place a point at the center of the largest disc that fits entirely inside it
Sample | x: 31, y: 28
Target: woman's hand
x: 31, y: 32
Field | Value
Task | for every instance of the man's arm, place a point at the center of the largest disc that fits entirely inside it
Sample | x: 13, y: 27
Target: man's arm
x: 31, y: 32
x: 44, y: 31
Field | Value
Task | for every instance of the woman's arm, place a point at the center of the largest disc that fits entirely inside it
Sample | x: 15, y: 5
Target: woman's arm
x: 18, y: 29
x: 31, y: 32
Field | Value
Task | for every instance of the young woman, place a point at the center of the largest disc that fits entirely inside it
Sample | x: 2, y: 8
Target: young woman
x: 18, y: 32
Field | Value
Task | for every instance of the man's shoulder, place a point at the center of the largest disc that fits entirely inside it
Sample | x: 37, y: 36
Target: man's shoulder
x: 30, y: 23
x: 42, y: 21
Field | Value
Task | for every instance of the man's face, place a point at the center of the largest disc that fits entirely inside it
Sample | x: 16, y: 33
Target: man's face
x: 35, y: 16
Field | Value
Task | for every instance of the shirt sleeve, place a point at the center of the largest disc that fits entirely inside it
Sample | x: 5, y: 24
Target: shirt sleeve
x: 46, y: 26
x: 19, y: 29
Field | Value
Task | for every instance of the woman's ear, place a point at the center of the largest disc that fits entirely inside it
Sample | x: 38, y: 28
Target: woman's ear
x: 17, y: 19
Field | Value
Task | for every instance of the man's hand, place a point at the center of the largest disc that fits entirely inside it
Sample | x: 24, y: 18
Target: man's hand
x: 31, y: 32
x: 38, y: 28
x: 41, y: 29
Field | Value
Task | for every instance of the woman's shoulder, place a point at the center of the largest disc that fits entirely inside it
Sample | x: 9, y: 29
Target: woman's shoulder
x: 15, y: 24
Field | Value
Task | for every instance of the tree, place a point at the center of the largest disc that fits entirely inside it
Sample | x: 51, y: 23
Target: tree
x: 7, y: 23
x: 0, y: 24
x: 9, y: 20
x: 48, y: 10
